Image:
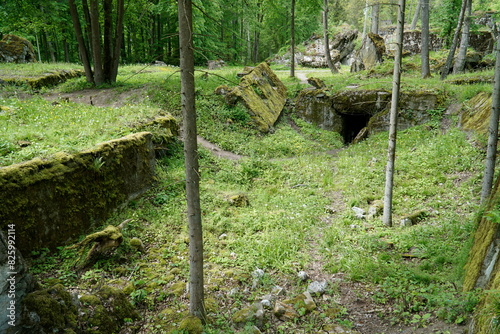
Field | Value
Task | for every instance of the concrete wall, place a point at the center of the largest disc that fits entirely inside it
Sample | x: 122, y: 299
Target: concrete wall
x: 51, y: 202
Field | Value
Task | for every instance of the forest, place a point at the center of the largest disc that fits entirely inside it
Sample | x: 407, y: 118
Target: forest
x: 197, y: 166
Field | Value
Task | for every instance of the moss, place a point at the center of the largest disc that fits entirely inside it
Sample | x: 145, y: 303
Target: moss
x: 191, y: 325
x: 105, y: 311
x: 49, y: 310
x: 51, y: 201
x: 16, y: 49
x: 178, y: 289
x: 262, y: 93
x: 477, y: 114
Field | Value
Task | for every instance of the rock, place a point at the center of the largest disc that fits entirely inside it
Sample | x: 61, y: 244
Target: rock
x: 414, y: 218
x: 317, y: 83
x: 285, y: 312
x: 15, y: 282
x: 137, y: 244
x: 360, y: 213
x: 215, y: 64
x: 191, y: 325
x: 178, y: 289
x: 371, y: 52
x: 15, y: 49
x: 362, y: 134
x: 303, y: 276
x: 262, y: 93
x: 302, y: 303
x: 258, y: 273
x: 106, y: 308
x: 50, y: 310
x: 240, y: 200
x: 158, y: 63
x: 267, y: 304
x: 317, y: 288
x: 253, y: 314
x: 376, y: 208
x: 278, y: 291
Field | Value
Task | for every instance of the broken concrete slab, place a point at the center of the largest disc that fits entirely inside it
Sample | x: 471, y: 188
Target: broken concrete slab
x: 261, y: 92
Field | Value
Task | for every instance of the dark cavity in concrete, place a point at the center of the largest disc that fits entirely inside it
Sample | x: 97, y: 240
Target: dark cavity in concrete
x: 352, y: 124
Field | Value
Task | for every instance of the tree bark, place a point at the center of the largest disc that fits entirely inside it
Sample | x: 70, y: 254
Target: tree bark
x: 464, y: 40
x: 292, y: 48
x: 332, y: 67
x: 375, y: 17
x: 396, y: 84
x: 491, y: 151
x: 96, y: 42
x: 196, y: 293
x: 108, y: 40
x: 417, y: 14
x: 426, y: 70
x: 81, y: 42
x: 451, y: 54
x: 118, y: 38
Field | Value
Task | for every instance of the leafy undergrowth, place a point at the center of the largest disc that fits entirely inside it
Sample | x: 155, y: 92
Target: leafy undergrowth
x: 299, y: 217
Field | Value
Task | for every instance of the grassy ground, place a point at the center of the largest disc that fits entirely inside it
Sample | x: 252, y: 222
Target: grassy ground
x: 299, y: 215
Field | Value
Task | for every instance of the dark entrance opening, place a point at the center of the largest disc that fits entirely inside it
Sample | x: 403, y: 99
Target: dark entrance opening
x: 352, y: 124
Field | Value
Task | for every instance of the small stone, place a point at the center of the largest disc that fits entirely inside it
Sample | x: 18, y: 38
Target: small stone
x: 303, y: 276
x: 376, y: 208
x: 191, y: 325
x: 285, y: 312
x: 266, y: 303
x: 258, y: 273
x: 360, y: 213
x: 317, y: 288
x: 233, y: 292
x: 223, y: 236
x: 254, y: 313
x: 278, y: 291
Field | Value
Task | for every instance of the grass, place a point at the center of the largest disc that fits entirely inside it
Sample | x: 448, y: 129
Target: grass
x: 290, y: 181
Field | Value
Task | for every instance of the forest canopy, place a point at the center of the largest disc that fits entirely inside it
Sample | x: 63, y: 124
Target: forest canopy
x: 239, y: 32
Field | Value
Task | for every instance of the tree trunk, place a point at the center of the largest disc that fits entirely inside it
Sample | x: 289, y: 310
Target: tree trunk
x: 396, y: 83
x: 365, y: 22
x: 332, y: 67
x: 489, y: 171
x: 464, y: 40
x: 451, y: 54
x: 96, y: 42
x: 108, y: 39
x: 292, y: 48
x: 417, y: 14
x: 196, y: 294
x: 84, y: 55
x: 375, y: 17
x: 426, y: 70
x: 118, y: 38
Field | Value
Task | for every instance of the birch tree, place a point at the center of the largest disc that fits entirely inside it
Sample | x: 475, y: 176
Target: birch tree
x: 292, y: 38
x: 396, y: 84
x: 196, y: 292
x: 491, y: 151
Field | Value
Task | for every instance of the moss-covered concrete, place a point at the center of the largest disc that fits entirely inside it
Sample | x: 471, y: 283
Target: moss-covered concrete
x: 483, y: 268
x: 476, y: 116
x: 262, y: 93
x: 54, y: 201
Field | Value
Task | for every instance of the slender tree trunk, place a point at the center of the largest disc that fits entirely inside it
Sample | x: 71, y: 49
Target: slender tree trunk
x: 84, y: 54
x: 417, y: 14
x: 464, y: 41
x: 332, y: 67
x: 118, y: 38
x: 375, y: 17
x: 365, y: 22
x: 451, y: 54
x: 108, y: 39
x: 489, y: 171
x: 196, y: 293
x: 426, y: 70
x: 96, y: 42
x: 292, y: 49
x: 396, y: 84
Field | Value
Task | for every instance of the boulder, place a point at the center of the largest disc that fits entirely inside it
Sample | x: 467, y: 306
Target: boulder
x: 372, y: 51
x: 15, y: 282
x: 261, y: 92
x: 15, y: 49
